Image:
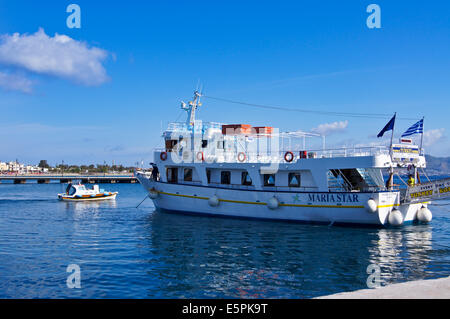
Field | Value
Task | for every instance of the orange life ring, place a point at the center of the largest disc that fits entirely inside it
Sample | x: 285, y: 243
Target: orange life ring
x: 163, y: 156
x: 200, y: 156
x: 240, y: 158
x: 290, y: 158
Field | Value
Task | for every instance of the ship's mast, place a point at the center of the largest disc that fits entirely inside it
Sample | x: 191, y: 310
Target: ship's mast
x: 191, y: 107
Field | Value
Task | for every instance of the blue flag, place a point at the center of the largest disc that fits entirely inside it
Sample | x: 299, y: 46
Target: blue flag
x: 415, y: 129
x: 388, y: 127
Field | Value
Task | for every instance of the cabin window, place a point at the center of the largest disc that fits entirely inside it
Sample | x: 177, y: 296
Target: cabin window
x: 220, y: 145
x: 294, y: 180
x: 204, y: 143
x: 172, y: 175
x: 246, y: 179
x: 208, y: 175
x: 269, y: 179
x: 71, y: 190
x: 188, y: 174
x: 170, y: 144
x: 225, y: 177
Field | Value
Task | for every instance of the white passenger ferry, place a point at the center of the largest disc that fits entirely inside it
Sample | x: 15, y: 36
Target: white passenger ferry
x: 254, y: 172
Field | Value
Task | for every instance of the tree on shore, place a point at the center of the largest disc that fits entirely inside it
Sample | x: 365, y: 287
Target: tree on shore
x: 43, y: 164
x: 91, y: 169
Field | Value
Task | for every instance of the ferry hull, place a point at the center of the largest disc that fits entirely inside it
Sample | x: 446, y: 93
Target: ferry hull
x: 317, y: 207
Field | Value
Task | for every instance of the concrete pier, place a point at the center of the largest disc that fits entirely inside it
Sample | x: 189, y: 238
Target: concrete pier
x: 420, y: 289
x: 66, y: 178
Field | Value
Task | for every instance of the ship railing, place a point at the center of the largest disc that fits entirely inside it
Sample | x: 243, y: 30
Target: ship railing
x: 183, y: 126
x: 279, y: 156
x: 343, y: 152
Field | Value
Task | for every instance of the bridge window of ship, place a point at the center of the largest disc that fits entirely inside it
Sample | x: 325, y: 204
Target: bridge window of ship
x: 170, y: 144
x: 220, y: 145
x: 188, y: 174
x: 269, y: 179
x: 204, y: 143
x: 225, y: 177
x: 172, y: 175
x: 294, y: 180
x: 246, y: 179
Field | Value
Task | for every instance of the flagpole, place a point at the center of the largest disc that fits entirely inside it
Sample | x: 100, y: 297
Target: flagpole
x: 421, y: 138
x: 392, y: 136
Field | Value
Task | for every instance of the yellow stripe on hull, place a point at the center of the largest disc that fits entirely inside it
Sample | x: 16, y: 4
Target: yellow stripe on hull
x: 281, y: 204
x: 260, y: 203
x: 83, y: 199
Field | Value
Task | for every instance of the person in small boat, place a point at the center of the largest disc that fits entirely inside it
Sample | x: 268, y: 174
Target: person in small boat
x: 68, y: 188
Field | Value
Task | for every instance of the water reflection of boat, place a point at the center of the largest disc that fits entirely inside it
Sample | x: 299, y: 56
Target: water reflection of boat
x: 249, y: 259
x: 79, y: 192
x: 401, y: 254
x: 90, y: 206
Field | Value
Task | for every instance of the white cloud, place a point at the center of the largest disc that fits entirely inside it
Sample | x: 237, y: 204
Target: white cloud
x: 59, y: 56
x: 15, y: 82
x: 330, y: 128
x: 37, y: 129
x: 431, y: 137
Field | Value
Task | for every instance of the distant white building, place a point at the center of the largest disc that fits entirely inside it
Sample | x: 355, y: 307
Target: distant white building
x: 15, y: 167
x: 3, y: 167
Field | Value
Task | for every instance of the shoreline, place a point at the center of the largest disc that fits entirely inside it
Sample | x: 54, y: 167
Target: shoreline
x: 419, y: 289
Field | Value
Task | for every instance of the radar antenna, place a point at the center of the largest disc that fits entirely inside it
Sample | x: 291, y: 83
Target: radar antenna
x: 191, y: 107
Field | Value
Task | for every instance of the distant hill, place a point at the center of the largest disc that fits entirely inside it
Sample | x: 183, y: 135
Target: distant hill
x: 438, y: 165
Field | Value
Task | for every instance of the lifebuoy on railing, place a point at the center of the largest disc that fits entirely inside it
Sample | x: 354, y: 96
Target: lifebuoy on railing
x: 289, y: 156
x: 200, y: 156
x: 241, y: 157
x: 163, y: 156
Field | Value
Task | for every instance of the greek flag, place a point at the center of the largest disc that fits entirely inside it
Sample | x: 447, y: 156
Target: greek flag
x: 415, y: 129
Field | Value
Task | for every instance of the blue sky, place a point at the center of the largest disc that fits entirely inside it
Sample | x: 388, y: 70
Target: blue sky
x: 298, y: 54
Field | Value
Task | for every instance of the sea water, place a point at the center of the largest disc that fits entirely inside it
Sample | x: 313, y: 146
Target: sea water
x: 128, y: 252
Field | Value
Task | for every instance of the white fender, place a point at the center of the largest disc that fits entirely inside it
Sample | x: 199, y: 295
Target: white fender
x: 395, y: 217
x: 213, y: 201
x: 424, y: 215
x: 273, y: 203
x: 371, y: 206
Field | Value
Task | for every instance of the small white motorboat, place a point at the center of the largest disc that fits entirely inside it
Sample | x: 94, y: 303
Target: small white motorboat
x: 79, y: 192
